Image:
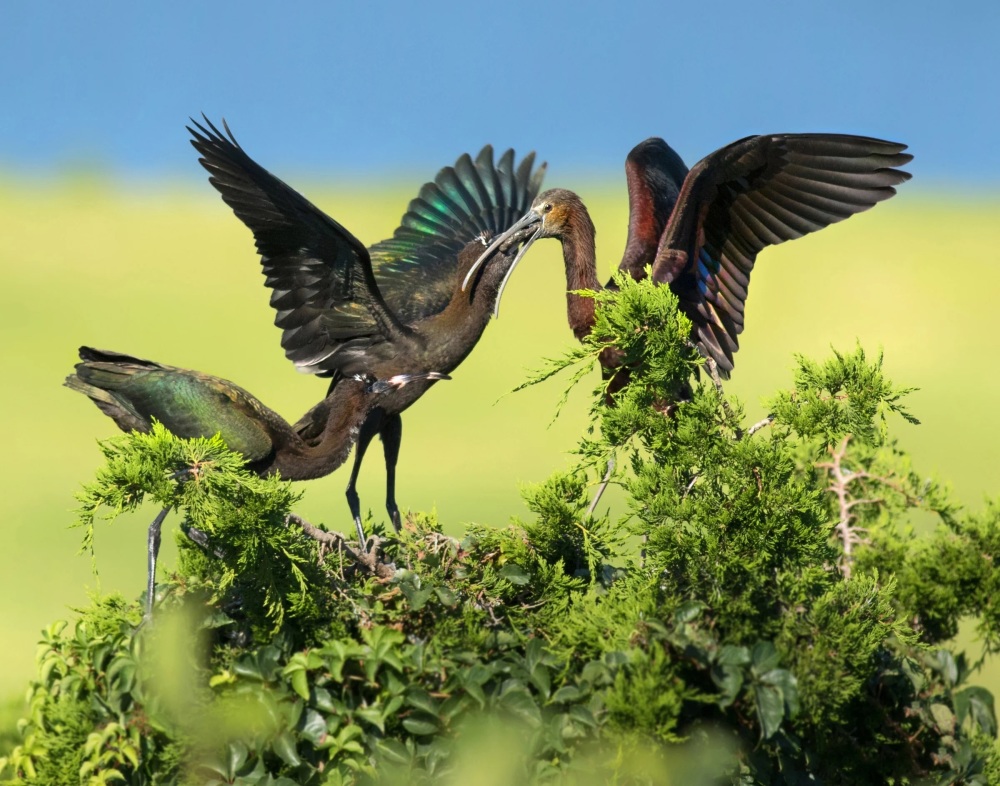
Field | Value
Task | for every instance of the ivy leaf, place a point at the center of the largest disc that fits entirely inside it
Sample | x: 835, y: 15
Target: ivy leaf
x: 770, y: 708
x: 393, y: 750
x: 689, y: 611
x: 313, y: 727
x: 238, y: 753
x: 520, y: 702
x: 448, y: 598
x: 765, y: 657
x: 977, y: 702
x: 566, y: 694
x: 729, y: 679
x: 514, y: 573
x: 284, y: 747
x: 421, y: 725
x: 422, y: 700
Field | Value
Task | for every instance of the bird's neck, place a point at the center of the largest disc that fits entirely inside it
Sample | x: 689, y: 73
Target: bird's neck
x: 580, y: 258
x: 342, y: 413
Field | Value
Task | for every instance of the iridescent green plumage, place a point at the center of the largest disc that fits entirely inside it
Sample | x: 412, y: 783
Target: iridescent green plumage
x: 134, y: 392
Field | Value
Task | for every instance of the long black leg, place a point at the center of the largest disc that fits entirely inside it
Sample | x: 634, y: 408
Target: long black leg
x: 152, y: 550
x: 371, y: 427
x: 392, y: 435
x: 201, y: 540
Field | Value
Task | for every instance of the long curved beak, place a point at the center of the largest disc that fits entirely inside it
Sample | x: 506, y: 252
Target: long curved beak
x: 401, y: 379
x: 528, y: 220
x: 397, y: 381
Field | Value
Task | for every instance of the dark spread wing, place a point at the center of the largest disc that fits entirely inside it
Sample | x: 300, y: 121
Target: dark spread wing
x: 757, y: 192
x: 417, y: 268
x: 324, y: 289
x: 654, y: 173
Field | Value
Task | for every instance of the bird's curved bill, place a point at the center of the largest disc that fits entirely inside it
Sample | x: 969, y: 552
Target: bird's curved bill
x: 373, y: 385
x: 401, y: 379
x: 528, y: 220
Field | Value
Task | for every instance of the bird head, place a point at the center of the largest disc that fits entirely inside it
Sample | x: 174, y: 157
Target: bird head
x: 552, y: 214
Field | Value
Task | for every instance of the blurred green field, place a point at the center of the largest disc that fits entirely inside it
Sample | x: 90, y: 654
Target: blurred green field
x: 169, y: 274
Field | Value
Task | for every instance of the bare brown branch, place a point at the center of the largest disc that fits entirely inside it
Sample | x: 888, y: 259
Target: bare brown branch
x: 370, y: 562
x: 842, y: 478
x: 759, y: 425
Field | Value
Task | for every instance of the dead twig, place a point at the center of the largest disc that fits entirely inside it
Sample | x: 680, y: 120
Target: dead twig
x: 713, y: 373
x: 370, y: 562
x: 842, y: 478
x: 601, y: 488
x: 202, y: 541
x: 759, y: 425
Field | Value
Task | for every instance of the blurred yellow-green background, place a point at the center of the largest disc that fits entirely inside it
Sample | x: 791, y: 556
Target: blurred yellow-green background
x: 110, y: 236
x: 167, y: 273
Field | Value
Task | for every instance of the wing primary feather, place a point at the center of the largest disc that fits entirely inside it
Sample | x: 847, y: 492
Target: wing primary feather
x: 523, y: 181
x: 452, y: 182
x: 491, y: 180
x: 468, y: 174
x: 505, y: 171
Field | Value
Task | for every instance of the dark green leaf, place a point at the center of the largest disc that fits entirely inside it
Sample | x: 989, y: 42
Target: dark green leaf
x: 541, y: 680
x: 785, y: 681
x: 448, y: 598
x: 313, y: 727
x: 452, y: 707
x: 421, y: 725
x: 238, y: 753
x: 422, y: 700
x: 770, y: 709
x: 581, y: 714
x: 284, y: 746
x: 977, y: 703
x: 566, y: 693
x: 730, y: 655
x: 765, y: 657
x: 418, y: 598
x: 514, y: 573
x: 521, y: 703
x: 729, y: 679
x: 393, y: 751
x: 689, y: 611
x: 323, y: 700
x: 944, y: 662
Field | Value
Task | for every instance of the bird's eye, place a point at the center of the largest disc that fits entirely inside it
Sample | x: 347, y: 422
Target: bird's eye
x: 547, y: 207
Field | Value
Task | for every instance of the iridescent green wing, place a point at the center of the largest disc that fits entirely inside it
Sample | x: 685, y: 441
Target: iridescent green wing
x: 324, y: 291
x: 417, y: 268
x: 133, y: 392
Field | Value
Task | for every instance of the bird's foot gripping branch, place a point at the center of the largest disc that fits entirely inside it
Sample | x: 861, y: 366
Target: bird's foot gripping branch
x: 778, y: 624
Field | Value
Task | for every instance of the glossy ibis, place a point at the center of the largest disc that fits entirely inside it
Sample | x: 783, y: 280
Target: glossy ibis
x: 398, y: 307
x: 701, y: 230
x: 134, y: 392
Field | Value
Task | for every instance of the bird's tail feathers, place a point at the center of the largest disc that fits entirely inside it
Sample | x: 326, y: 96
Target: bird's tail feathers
x: 100, y: 374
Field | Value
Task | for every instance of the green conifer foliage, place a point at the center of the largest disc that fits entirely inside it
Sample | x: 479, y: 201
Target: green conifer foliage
x: 763, y: 615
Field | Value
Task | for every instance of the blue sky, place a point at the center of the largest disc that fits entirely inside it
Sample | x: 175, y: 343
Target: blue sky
x: 403, y: 88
